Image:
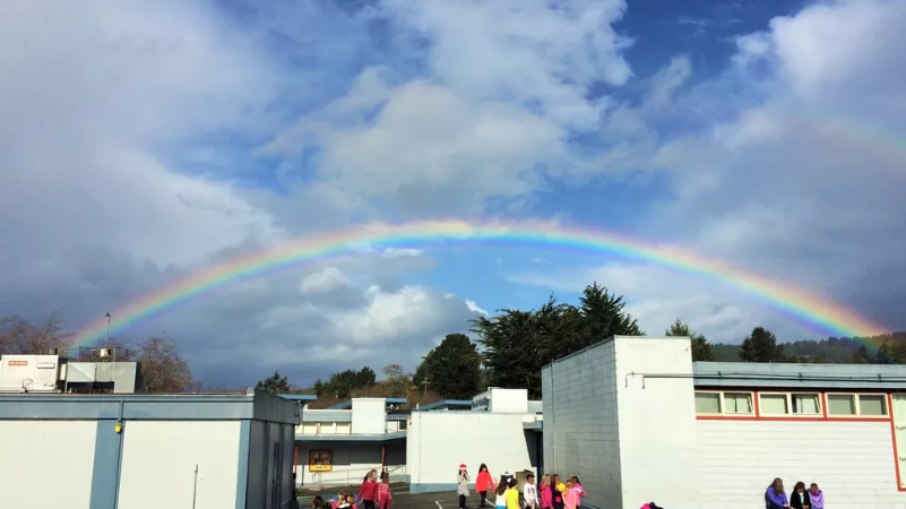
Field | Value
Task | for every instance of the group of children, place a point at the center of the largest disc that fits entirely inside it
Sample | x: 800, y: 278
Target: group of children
x: 372, y: 495
x: 800, y: 498
x: 549, y: 494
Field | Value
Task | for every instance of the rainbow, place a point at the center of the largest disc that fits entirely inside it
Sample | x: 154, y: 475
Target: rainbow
x: 812, y: 308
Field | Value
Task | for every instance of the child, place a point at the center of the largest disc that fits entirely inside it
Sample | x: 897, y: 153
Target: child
x: 484, y: 483
x: 369, y: 486
x: 799, y: 497
x: 343, y: 502
x: 512, y: 494
x: 816, y: 496
x: 579, y: 489
x: 570, y: 496
x: 384, y: 496
x: 317, y: 503
x: 336, y: 501
x: 500, y: 498
x: 547, y: 499
x: 530, y: 492
x: 462, y: 485
x: 350, y: 502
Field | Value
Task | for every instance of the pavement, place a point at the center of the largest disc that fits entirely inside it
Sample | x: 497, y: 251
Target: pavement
x: 402, y: 499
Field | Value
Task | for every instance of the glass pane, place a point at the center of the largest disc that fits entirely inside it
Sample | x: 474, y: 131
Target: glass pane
x: 707, y: 403
x: 774, y: 404
x: 841, y: 404
x: 805, y: 404
x: 873, y: 405
x: 737, y: 403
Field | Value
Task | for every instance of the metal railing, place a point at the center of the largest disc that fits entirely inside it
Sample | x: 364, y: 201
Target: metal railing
x: 354, y: 476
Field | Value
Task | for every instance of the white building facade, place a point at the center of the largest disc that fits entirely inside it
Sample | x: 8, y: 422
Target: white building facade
x: 638, y: 421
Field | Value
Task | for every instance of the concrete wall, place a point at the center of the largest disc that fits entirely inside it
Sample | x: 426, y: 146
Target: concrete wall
x: 439, y: 441
x: 352, y: 460
x: 369, y: 416
x: 853, y: 462
x: 581, y: 434
x: 46, y: 463
x: 160, y: 459
x: 658, y: 454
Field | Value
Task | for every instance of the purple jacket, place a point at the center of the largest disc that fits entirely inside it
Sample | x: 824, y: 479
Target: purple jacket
x: 772, y: 498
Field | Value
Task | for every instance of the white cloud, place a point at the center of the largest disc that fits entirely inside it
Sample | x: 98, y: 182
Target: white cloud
x: 322, y: 281
x: 475, y: 308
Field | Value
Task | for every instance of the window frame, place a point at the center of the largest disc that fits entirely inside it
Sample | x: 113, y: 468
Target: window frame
x: 857, y: 400
x: 722, y: 412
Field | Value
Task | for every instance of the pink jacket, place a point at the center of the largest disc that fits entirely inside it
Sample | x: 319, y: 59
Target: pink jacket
x: 384, y: 496
x: 547, y: 498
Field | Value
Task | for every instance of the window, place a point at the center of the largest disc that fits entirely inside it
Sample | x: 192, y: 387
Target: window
x: 737, y: 403
x: 841, y: 404
x: 774, y: 404
x: 343, y: 428
x: 806, y: 404
x: 309, y: 428
x: 707, y: 402
x: 873, y: 404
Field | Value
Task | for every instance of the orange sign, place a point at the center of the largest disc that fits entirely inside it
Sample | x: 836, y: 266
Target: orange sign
x: 18, y: 363
x: 320, y: 461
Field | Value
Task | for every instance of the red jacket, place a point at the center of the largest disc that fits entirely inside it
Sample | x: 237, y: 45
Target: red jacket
x: 484, y: 482
x: 367, y: 491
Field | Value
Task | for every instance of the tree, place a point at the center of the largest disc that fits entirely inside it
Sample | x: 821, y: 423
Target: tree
x: 274, y: 384
x: 761, y: 346
x: 162, y: 369
x: 19, y: 336
x: 701, y: 349
x: 517, y: 344
x: 396, y: 380
x: 451, y: 369
x: 860, y: 356
x: 604, y: 316
x: 341, y: 384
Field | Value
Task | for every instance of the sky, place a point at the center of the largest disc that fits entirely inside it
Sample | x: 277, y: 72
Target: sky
x: 142, y: 143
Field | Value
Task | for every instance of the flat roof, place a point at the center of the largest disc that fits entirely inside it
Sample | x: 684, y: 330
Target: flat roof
x: 253, y: 405
x: 396, y: 435
x: 388, y: 401
x: 299, y: 397
x: 446, y: 403
x: 831, y: 376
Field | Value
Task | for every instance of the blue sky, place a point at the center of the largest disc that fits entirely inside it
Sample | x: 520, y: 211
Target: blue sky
x: 142, y: 144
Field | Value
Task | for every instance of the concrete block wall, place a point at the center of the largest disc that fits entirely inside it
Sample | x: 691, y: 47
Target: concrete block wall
x: 439, y: 441
x: 581, y: 434
x: 853, y: 462
x: 658, y: 447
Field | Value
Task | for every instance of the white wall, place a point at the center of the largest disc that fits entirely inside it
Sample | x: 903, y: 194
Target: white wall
x: 508, y: 400
x: 369, y: 415
x: 853, y: 462
x: 159, y: 459
x: 658, y: 454
x: 439, y: 441
x: 581, y: 436
x: 46, y: 463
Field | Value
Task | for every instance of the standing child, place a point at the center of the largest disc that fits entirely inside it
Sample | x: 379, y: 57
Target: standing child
x: 484, y: 483
x: 816, y: 496
x: 579, y: 489
x: 570, y: 496
x: 547, y: 499
x: 500, y: 495
x: 530, y: 492
x: 368, y: 489
x: 557, y: 489
x: 462, y: 485
x: 512, y: 494
x: 384, y: 496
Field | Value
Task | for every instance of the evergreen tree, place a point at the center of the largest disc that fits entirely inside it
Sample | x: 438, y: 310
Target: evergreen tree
x: 761, y: 346
x: 701, y: 349
x: 451, y: 369
x: 274, y: 384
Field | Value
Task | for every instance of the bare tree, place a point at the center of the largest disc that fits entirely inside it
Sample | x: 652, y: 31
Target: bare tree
x: 19, y: 336
x: 163, y: 370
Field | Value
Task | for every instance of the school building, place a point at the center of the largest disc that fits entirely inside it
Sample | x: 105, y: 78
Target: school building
x: 638, y: 421
x: 423, y: 446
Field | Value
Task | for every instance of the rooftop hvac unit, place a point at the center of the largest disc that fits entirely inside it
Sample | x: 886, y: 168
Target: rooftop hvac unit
x: 29, y: 373
x: 103, y: 353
